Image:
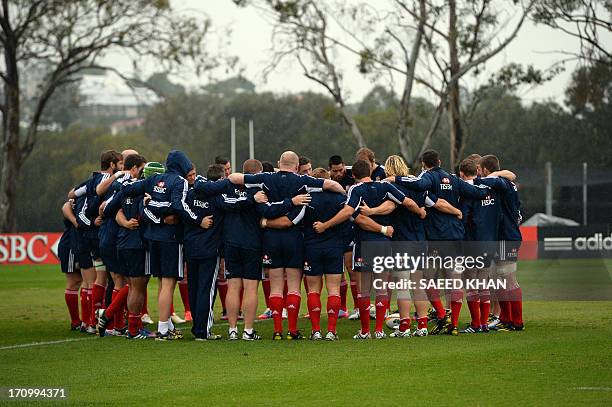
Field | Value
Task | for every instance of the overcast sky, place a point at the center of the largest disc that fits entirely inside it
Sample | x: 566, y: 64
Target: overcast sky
x: 250, y: 41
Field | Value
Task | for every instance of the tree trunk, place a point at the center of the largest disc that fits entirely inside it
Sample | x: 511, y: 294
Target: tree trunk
x: 350, y: 121
x: 10, y: 148
x: 454, y: 115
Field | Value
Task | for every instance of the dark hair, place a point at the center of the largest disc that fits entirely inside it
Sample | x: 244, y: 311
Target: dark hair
x: 431, y: 158
x: 335, y: 160
x: 109, y: 157
x: 468, y: 167
x: 489, y: 162
x: 267, y: 166
x: 215, y: 172
x: 361, y: 169
x: 251, y: 166
x: 133, y: 160
x: 221, y: 160
x: 303, y: 160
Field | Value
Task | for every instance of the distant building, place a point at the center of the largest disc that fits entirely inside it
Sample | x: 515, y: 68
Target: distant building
x: 125, y: 126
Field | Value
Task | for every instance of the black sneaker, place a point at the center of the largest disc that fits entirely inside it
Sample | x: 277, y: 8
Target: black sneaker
x: 294, y: 336
x: 451, y: 330
x: 102, y: 322
x: 516, y: 327
x: 502, y: 327
x: 441, y: 325
x: 75, y: 327
x: 278, y: 336
x: 253, y: 336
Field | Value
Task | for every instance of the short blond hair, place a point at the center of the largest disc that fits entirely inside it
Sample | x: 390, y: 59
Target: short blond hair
x: 320, y: 173
x: 366, y: 154
x: 395, y: 166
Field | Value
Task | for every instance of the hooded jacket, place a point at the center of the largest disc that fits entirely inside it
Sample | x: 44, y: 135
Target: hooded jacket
x: 168, y: 193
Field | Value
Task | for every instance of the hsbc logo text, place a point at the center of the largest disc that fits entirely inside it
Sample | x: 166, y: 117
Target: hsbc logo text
x: 29, y: 248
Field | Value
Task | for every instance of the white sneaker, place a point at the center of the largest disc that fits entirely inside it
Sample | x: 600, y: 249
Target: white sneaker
x: 372, y: 312
x: 176, y: 319
x: 400, y: 334
x: 284, y: 313
x: 232, y: 336
x: 420, y: 332
x: 380, y: 335
x: 494, y: 322
x: 359, y: 335
x: 316, y: 336
x: 354, y: 314
x: 146, y: 319
x: 331, y: 336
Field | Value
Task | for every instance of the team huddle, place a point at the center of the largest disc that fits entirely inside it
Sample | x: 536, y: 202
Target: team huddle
x: 222, y: 233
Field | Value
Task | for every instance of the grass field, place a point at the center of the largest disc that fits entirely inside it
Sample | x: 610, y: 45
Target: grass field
x: 564, y: 357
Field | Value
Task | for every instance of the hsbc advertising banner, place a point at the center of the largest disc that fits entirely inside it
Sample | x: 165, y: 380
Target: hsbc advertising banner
x: 575, y: 242
x: 29, y: 248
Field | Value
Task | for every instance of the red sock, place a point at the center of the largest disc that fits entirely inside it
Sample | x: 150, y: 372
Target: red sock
x: 516, y: 305
x: 276, y: 306
x: 184, y: 291
x: 382, y: 303
x: 133, y: 323
x: 404, y: 324
x: 456, y: 303
x: 364, y: 313
x: 222, y: 288
x: 84, y: 306
x: 306, y: 285
x: 72, y: 302
x: 119, y: 301
x: 97, y: 296
x: 333, y: 307
x: 285, y: 289
x: 266, y: 289
x: 422, y: 322
x: 293, y: 310
x: 314, y: 309
x: 343, y: 291
x: 505, y: 314
x: 145, y: 309
x: 434, y: 298
x: 355, y: 294
x: 111, y: 323
x: 473, y: 302
x: 485, y: 307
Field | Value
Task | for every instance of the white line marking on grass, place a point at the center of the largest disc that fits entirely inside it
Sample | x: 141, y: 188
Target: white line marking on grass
x: 28, y: 345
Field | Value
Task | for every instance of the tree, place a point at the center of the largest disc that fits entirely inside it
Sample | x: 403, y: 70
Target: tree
x: 301, y: 30
x: 586, y: 20
x: 71, y: 36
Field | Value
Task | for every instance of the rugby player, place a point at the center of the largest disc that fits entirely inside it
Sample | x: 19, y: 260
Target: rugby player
x: 378, y: 171
x: 339, y: 173
x: 66, y: 251
x: 92, y: 268
x: 282, y: 249
x: 505, y: 265
x: 373, y: 194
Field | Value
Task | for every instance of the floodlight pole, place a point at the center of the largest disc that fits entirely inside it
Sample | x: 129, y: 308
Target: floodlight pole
x: 549, y: 192
x: 233, y: 143
x: 584, y: 193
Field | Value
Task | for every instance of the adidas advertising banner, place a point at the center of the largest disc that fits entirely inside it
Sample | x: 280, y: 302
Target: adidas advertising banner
x: 29, y: 248
x: 575, y: 242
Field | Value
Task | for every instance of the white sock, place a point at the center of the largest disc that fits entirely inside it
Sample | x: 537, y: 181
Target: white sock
x: 162, y: 327
x: 234, y: 329
x: 248, y: 330
x: 170, y: 324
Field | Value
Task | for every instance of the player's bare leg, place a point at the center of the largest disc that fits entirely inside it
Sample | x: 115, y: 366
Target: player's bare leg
x: 166, y: 292
x: 421, y: 303
x: 249, y: 307
x: 232, y: 305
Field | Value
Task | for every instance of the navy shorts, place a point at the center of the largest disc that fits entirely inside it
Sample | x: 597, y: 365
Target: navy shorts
x: 165, y: 259
x: 485, y: 250
x: 363, y: 259
x: 109, y: 258
x: 132, y: 262
x: 242, y: 263
x: 67, y: 257
x: 89, y: 249
x: 283, y: 249
x: 507, y: 250
x: 320, y: 261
